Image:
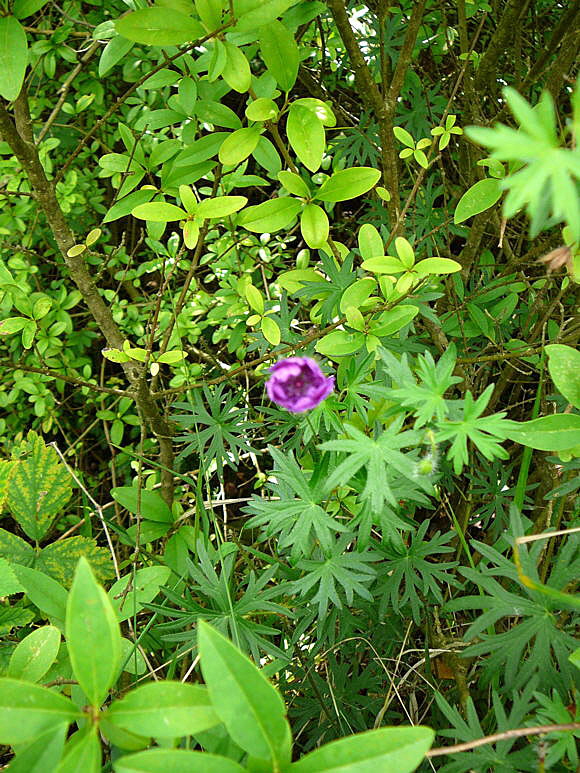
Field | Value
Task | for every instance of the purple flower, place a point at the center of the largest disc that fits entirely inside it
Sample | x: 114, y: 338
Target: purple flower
x: 298, y: 384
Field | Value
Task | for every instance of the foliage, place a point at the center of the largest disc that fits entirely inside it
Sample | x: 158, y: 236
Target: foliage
x: 192, y: 191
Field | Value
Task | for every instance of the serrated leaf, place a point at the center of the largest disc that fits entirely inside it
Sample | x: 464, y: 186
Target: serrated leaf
x: 60, y: 559
x: 40, y: 487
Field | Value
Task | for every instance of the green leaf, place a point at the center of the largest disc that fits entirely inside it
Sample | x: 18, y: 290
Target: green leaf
x: 115, y: 355
x: 254, y: 14
x: 164, y: 710
x: 405, y: 252
x: 12, y: 325
x: 393, y: 320
x: 40, y: 486
x: 90, y: 617
x: 270, y: 330
x: 280, y: 54
x: 155, y: 27
x: 210, y: 12
x: 403, y: 136
x: 236, y: 71
x: 125, y: 205
x: 153, y: 508
x: 7, y: 467
x: 314, y: 226
x: 306, y: 136
x: 357, y: 293
x: 297, y: 278
x: 387, y: 264
x: 35, y: 654
x: 249, y: 706
x: 239, y: 145
x: 348, y: 184
x: 399, y: 749
x: 270, y: 216
x: 220, y: 206
x: 59, y: 559
x: 24, y: 8
x: 481, y: 196
x: 370, y: 243
x: 294, y: 184
x: 172, y: 357
x: 254, y: 298
x: 28, y: 710
x: 28, y: 333
x: 564, y: 367
x: 437, y: 266
x: 262, y: 109
x: 339, y: 343
x: 44, y: 592
x: 112, y: 54
x: 42, y: 754
x: 13, y: 57
x: 143, y: 585
x: 82, y: 752
x: 175, y: 761
x: 9, y: 584
x: 159, y: 212
x: 557, y: 432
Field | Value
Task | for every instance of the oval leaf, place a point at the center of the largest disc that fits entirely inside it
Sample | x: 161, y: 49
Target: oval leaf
x: 280, y: 54
x: 314, y: 226
x: 35, y: 654
x: 548, y: 433
x: 156, y: 27
x: 159, y: 212
x: 564, y: 367
x: 348, y: 184
x: 481, y: 196
x: 239, y: 145
x: 270, y: 216
x: 13, y: 57
x: 177, y: 761
x: 339, y: 343
x: 306, y: 136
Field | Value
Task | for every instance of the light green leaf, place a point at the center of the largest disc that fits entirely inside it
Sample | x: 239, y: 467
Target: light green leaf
x: 9, y: 584
x: 113, y: 52
x: 13, y: 57
x: 164, y: 710
x: 297, y: 278
x: 254, y: 14
x: 12, y: 325
x: 254, y: 298
x: 294, y: 184
x: 280, y: 54
x: 270, y: 330
x: 306, y: 136
x: 42, y: 754
x: 321, y: 110
x: 144, y: 585
x: 155, y: 27
x: 172, y: 357
x: 399, y: 749
x: 314, y: 226
x: 24, y: 8
x: 387, y: 264
x: 405, y: 252
x: 28, y: 710
x: 115, y: 355
x: 239, y: 145
x: 220, y: 206
x: 35, y: 654
x: 339, y: 343
x: 40, y: 486
x: 564, y: 367
x: 370, y: 243
x: 44, y: 592
x: 7, y: 467
x: 357, y: 293
x: 175, y: 761
x: 348, y: 184
x: 557, y: 432
x: 236, y: 71
x: 90, y: 618
x: 437, y: 266
x: 481, y: 196
x: 210, y: 12
x: 262, y: 109
x: 403, y: 136
x: 393, y: 320
x: 270, y: 216
x: 153, y: 508
x: 82, y: 752
x: 249, y: 706
x: 159, y: 212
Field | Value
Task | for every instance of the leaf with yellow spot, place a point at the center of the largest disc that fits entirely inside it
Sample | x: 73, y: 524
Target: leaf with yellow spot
x: 6, y: 470
x: 59, y: 559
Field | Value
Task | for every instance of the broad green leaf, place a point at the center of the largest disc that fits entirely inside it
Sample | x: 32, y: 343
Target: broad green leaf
x: 314, y: 226
x: 28, y: 710
x: 393, y: 320
x: 12, y: 325
x: 370, y: 243
x: 13, y: 57
x: 28, y: 333
x: 90, y: 618
x: 297, y: 278
x: 239, y: 145
x: 159, y: 212
x: 175, y: 761
x: 14, y: 617
x: 127, y: 204
x: 254, y: 298
x: 280, y: 54
x: 271, y: 331
x: 398, y: 749
x: 348, y: 184
x: 437, y: 266
x: 9, y: 584
x: 339, y: 343
x: 564, y: 367
x: 217, y: 114
x: 575, y: 658
x: 144, y: 585
x: 44, y: 592
x: 113, y: 52
x: 155, y: 27
x: 220, y: 206
x: 254, y: 14
x: 35, y: 654
x: 248, y: 705
x: 557, y: 432
x: 236, y: 71
x: 403, y: 136
x: 164, y: 710
x: 152, y: 507
x: 172, y: 357
x: 82, y: 752
x: 59, y: 559
x: 262, y: 109
x: 357, y: 293
x: 270, y: 216
x: 321, y: 110
x: 41, y: 755
x: 306, y: 136
x: 40, y: 486
x: 481, y: 196
x: 210, y: 12
x: 191, y: 230
x: 405, y: 252
x: 294, y: 184
x: 115, y: 355
x: 24, y: 8
x: 354, y: 318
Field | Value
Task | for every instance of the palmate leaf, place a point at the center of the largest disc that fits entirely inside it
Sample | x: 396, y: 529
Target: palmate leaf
x: 40, y: 486
x: 336, y: 576
x: 381, y: 458
x: 300, y: 522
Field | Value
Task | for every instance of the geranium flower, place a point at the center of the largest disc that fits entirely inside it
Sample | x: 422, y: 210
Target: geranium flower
x: 298, y: 384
